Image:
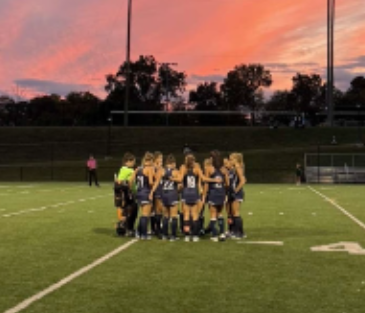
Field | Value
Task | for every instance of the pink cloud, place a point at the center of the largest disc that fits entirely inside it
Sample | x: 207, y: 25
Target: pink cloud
x: 79, y: 44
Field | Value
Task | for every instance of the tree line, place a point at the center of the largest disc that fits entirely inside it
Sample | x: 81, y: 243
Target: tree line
x: 157, y: 86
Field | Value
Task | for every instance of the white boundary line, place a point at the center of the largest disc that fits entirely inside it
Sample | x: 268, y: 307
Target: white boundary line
x: 46, y: 207
x: 26, y: 303
x: 349, y: 215
x: 272, y: 243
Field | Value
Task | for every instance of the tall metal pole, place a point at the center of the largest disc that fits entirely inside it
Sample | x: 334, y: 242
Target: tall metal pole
x: 330, y: 58
x: 128, y: 63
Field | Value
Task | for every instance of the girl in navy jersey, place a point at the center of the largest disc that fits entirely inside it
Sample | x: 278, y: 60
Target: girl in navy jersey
x: 230, y: 221
x: 144, y: 178
x: 157, y: 208
x: 237, y: 194
x: 192, y: 177
x: 168, y: 178
x: 216, y: 193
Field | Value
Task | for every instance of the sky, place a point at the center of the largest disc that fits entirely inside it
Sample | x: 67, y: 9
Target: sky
x: 59, y: 46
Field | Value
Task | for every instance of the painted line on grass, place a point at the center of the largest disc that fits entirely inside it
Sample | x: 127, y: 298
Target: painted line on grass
x: 26, y: 303
x: 27, y: 211
x: 271, y: 243
x: 348, y: 214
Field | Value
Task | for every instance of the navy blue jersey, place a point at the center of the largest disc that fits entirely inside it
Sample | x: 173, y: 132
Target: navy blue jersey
x: 235, y: 196
x: 217, y: 191
x: 190, y: 194
x: 166, y: 183
x: 169, y: 189
x: 143, y: 187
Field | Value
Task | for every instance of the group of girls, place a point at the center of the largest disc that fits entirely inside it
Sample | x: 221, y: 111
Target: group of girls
x: 160, y: 187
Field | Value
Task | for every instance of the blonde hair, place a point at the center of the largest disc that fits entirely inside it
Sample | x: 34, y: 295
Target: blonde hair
x: 207, y: 162
x: 238, y: 157
x: 148, y: 157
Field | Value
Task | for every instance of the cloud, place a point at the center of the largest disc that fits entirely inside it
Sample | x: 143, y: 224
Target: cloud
x: 49, y: 87
x: 53, y: 41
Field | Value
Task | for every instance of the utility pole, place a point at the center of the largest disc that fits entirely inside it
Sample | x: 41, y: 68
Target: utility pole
x: 128, y: 63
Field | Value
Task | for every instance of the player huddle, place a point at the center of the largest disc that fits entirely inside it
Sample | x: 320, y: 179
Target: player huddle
x: 157, y: 188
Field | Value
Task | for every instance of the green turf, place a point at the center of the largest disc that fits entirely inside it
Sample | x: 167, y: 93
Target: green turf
x: 39, y: 248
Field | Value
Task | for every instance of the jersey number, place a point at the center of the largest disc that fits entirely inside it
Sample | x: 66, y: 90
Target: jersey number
x: 140, y: 181
x: 191, y: 182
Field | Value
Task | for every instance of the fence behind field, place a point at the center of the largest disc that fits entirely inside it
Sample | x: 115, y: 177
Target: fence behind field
x: 106, y: 173
x: 335, y: 168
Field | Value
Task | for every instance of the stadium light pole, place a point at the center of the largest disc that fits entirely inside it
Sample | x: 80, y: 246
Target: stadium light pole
x: 128, y: 63
x: 331, y: 4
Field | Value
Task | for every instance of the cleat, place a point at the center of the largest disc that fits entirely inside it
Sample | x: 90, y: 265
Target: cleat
x: 172, y: 239
x: 195, y: 239
x: 222, y: 237
x: 187, y: 238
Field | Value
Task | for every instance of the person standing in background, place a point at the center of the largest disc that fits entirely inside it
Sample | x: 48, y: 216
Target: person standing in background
x: 92, y: 167
x: 298, y: 174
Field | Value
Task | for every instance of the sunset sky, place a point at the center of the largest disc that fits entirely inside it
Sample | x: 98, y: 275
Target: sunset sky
x: 57, y: 46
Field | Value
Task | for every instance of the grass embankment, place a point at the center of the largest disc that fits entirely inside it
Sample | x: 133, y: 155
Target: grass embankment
x: 270, y: 155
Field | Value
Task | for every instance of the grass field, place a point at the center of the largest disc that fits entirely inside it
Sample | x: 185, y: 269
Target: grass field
x: 50, y: 231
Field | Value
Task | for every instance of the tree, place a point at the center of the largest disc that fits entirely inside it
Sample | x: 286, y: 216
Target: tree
x: 306, y: 90
x: 81, y: 108
x: 243, y: 84
x: 149, y: 84
x: 356, y: 94
x: 281, y: 100
x: 206, y: 97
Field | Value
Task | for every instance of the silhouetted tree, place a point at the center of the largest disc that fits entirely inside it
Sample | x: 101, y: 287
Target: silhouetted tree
x: 242, y: 85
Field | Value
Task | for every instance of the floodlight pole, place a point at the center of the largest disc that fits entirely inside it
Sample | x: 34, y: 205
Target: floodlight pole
x: 330, y: 58
x: 128, y: 64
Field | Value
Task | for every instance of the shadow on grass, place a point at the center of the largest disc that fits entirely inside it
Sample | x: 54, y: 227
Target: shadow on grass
x: 105, y: 231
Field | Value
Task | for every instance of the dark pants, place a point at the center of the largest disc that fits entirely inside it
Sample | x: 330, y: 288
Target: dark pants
x: 93, y: 177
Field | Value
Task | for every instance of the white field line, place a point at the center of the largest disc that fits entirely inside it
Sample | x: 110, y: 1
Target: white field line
x: 271, y: 243
x: 349, y: 215
x: 26, y: 303
x: 15, y: 191
x: 27, y: 211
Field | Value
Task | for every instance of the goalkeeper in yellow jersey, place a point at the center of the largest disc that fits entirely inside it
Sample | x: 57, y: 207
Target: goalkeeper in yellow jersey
x: 125, y: 203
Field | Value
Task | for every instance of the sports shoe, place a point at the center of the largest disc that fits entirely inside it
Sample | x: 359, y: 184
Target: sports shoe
x: 187, y: 238
x: 215, y: 239
x: 195, y: 239
x: 222, y: 237
x: 172, y: 239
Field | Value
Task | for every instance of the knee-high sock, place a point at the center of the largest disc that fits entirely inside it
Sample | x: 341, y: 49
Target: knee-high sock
x: 165, y: 227
x: 158, y: 219
x: 153, y: 223
x: 144, y: 222
x: 201, y: 223
x: 196, y: 228
x: 174, y: 227
x: 221, y: 225
x: 213, y: 228
x: 238, y: 225
x: 181, y: 220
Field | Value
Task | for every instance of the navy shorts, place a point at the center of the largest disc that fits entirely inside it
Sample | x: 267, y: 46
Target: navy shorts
x: 143, y: 198
x: 170, y: 198
x: 216, y: 199
x: 190, y: 198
